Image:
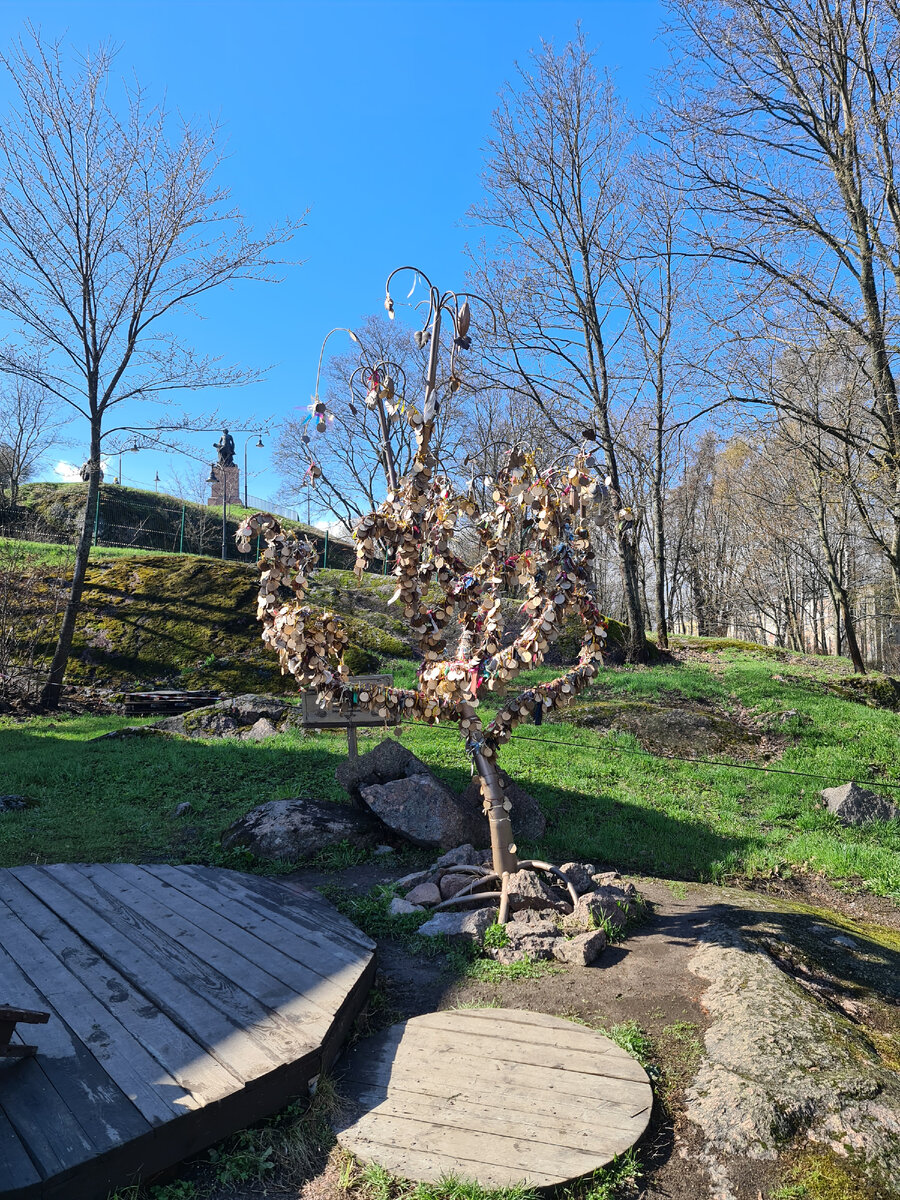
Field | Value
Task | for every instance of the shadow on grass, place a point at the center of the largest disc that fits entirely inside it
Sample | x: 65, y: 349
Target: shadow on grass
x: 113, y: 800
x: 619, y: 834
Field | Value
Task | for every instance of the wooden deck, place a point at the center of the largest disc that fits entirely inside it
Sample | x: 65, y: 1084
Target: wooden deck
x: 493, y: 1095
x: 185, y: 1002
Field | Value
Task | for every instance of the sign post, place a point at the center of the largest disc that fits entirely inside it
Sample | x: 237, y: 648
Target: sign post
x: 347, y: 716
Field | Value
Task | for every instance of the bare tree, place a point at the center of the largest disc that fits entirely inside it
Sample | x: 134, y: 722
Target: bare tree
x: 555, y: 182
x: 349, y: 453
x: 784, y: 116
x: 110, y: 223
x: 30, y: 420
x: 658, y: 283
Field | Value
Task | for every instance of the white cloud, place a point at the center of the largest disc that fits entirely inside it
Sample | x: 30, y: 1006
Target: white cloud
x: 72, y: 474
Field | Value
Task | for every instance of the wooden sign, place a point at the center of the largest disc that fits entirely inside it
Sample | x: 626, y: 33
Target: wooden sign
x: 339, y: 717
x: 347, y: 716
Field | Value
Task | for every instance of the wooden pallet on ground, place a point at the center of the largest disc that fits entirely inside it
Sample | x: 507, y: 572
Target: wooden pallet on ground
x: 166, y: 702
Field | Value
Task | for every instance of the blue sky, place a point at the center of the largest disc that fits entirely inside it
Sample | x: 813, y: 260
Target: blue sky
x: 369, y: 114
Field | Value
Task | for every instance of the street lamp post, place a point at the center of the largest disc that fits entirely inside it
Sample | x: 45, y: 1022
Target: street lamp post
x: 123, y: 450
x: 259, y: 446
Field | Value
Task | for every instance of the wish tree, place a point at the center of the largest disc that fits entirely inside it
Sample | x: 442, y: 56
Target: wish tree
x: 534, y: 540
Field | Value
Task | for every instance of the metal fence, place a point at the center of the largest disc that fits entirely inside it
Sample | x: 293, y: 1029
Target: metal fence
x: 130, y: 519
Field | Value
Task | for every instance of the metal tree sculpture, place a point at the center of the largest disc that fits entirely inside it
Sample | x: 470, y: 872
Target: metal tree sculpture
x: 535, y: 538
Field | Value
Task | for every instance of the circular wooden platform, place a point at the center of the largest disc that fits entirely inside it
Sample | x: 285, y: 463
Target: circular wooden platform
x: 494, y: 1095
x: 185, y: 1003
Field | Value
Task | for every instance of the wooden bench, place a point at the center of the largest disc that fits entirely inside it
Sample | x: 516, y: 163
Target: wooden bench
x: 8, y: 1019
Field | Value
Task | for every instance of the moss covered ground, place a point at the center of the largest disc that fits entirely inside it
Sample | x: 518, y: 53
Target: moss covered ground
x: 190, y: 622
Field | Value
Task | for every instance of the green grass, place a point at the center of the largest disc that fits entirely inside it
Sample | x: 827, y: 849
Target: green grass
x: 604, y: 797
x: 54, y: 555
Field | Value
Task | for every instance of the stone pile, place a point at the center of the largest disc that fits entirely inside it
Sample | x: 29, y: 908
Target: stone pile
x: 543, y: 922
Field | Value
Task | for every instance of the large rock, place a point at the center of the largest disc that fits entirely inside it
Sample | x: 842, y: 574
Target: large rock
x: 581, y: 950
x: 462, y: 856
x: 527, y: 819
x: 466, y: 926
x: 781, y: 1068
x: 612, y: 906
x: 537, y: 942
x: 389, y: 760
x: 424, y: 893
x: 853, y: 805
x: 238, y: 717
x: 528, y: 889
x: 297, y: 828
x: 420, y: 809
x: 580, y: 875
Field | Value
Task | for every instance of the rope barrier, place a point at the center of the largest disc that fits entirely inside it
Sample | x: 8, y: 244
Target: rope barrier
x: 706, y: 762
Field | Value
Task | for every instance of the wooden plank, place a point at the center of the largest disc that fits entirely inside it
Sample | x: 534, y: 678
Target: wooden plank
x: 125, y: 1059
x: 490, y: 1115
x: 566, y: 1036
x: 42, y: 1119
x: 473, y: 1146
x: 304, y: 1022
x: 60, y: 948
x: 102, y: 1109
x: 176, y: 982
x: 282, y: 904
x: 17, y: 1171
x: 294, y: 894
x: 254, y: 939
x: 486, y: 1051
x: 76, y: 980
x: 508, y: 1017
x: 463, y: 1072
x: 289, y: 933
x: 431, y: 1165
x: 529, y: 1103
x: 493, y: 1099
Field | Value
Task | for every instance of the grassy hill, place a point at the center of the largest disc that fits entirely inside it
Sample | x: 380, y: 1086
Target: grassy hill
x: 140, y: 520
x: 184, y: 621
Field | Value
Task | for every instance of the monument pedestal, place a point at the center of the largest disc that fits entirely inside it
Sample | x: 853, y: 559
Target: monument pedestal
x: 228, y: 480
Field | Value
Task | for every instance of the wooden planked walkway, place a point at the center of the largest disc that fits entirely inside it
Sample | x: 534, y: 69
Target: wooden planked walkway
x: 494, y: 1095
x: 186, y: 1003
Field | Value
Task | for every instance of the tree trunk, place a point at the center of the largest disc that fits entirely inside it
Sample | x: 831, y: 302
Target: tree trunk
x: 850, y: 634
x: 659, y: 549
x: 52, y: 690
x: 636, y: 651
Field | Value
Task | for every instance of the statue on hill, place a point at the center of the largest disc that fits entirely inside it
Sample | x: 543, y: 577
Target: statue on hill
x: 535, y: 542
x: 225, y: 447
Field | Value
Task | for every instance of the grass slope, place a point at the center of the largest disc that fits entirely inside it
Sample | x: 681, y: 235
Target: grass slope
x: 605, y: 798
x: 185, y: 621
x: 57, y: 507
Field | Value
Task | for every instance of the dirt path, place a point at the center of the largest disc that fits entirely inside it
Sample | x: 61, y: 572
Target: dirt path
x: 701, y: 978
